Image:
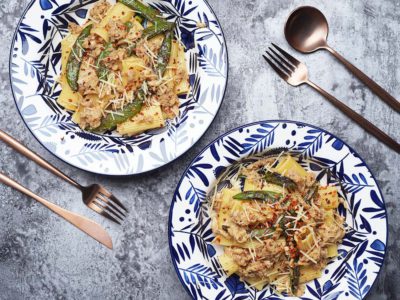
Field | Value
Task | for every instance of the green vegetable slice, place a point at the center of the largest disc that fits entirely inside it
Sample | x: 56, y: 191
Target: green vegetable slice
x: 280, y: 180
x: 262, y: 232
x: 283, y: 226
x: 258, y: 195
x: 311, y: 193
x: 75, y: 58
x: 294, y: 278
x: 149, y: 33
x: 164, y: 53
x: 146, y: 11
x: 102, y: 70
x: 129, y: 111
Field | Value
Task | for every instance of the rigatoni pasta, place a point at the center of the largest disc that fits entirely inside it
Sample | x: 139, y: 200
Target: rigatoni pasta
x: 123, y: 69
x: 277, y: 224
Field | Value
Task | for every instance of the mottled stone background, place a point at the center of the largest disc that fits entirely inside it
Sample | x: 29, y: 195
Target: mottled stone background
x: 43, y: 257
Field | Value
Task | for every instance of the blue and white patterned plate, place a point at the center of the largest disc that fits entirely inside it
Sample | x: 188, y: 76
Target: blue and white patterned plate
x: 35, y: 64
x: 349, y: 276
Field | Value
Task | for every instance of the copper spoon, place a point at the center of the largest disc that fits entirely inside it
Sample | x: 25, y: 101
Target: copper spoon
x: 306, y: 30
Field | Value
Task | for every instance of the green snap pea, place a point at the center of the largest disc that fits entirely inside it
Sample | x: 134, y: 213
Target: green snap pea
x: 149, y: 33
x: 75, y: 58
x: 280, y: 180
x: 294, y: 279
x: 130, y: 110
x: 146, y: 11
x: 164, y: 53
x: 258, y: 195
x: 311, y: 193
x: 102, y: 70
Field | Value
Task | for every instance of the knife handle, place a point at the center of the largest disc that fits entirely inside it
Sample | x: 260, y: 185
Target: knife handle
x: 89, y: 227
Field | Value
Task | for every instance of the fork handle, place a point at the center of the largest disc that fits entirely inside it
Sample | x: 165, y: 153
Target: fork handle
x: 89, y: 227
x: 361, y: 121
x: 13, y: 143
x: 376, y: 88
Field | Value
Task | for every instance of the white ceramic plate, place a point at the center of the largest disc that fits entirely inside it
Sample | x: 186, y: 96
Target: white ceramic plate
x: 349, y: 276
x: 35, y: 64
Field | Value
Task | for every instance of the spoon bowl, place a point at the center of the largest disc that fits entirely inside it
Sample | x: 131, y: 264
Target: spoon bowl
x: 306, y: 29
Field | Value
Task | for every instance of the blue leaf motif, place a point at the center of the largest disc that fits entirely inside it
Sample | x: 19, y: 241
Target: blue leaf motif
x: 214, y: 152
x: 379, y: 211
x: 366, y: 224
x: 235, y: 285
x: 378, y: 245
x: 202, y: 275
x: 87, y: 136
x: 220, y: 295
x: 378, y: 252
x: 210, y: 61
x: 327, y: 285
x: 45, y: 4
x: 376, y: 199
x: 337, y: 145
x: 211, y: 250
x: 81, y: 13
x: 313, y: 142
x: 258, y: 142
x: 29, y: 110
x: 196, y: 169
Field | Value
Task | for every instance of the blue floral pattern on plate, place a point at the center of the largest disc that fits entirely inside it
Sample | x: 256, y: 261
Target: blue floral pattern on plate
x: 361, y: 255
x: 35, y: 65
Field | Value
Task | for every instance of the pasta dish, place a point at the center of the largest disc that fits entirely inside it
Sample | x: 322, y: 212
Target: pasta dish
x: 277, y: 224
x: 123, y: 69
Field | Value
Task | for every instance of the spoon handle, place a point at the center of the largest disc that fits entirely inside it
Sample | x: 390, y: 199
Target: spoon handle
x: 360, y: 120
x: 377, y: 89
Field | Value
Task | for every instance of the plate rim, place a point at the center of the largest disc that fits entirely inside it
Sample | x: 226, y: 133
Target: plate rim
x: 252, y: 124
x: 29, y: 5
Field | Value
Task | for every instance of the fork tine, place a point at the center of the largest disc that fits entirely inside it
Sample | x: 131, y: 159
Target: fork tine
x: 107, y: 209
x: 282, y: 59
x: 283, y: 75
x: 294, y: 61
x: 279, y: 63
x: 100, y: 211
x: 107, y: 201
x: 113, y: 198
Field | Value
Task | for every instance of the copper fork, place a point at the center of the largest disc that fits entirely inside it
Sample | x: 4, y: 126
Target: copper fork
x: 89, y: 227
x: 295, y: 73
x: 94, y: 196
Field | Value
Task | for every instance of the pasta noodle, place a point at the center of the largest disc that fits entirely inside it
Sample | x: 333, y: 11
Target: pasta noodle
x: 122, y: 71
x: 276, y: 223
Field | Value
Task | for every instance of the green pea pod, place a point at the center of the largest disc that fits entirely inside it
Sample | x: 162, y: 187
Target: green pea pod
x: 102, y: 70
x: 311, y: 193
x: 261, y: 232
x: 149, y: 33
x: 283, y: 226
x: 146, y: 11
x: 294, y: 279
x: 156, y: 29
x: 75, y: 58
x: 130, y: 110
x: 258, y: 195
x: 280, y: 180
x: 165, y: 53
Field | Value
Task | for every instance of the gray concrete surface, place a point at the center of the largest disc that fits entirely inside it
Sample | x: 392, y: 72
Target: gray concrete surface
x: 43, y: 257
